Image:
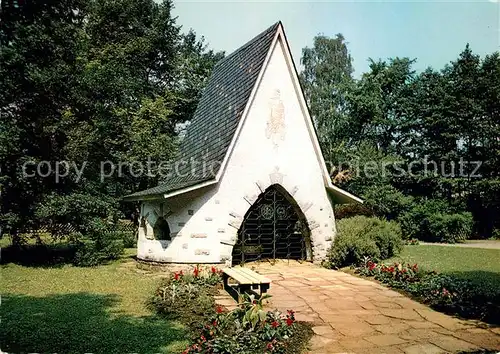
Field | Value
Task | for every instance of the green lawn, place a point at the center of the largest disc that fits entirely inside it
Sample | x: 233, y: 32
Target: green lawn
x: 482, y: 266
x: 67, y: 309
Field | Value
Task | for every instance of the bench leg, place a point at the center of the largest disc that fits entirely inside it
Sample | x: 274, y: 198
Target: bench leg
x: 225, y: 279
x: 242, y: 290
x: 263, y: 288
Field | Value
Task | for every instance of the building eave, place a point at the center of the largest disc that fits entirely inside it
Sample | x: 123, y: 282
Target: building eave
x: 341, y: 196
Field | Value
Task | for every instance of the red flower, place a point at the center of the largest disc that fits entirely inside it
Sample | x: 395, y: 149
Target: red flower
x: 196, y: 271
x: 291, y: 312
x: 214, y: 270
x: 219, y: 309
x: 289, y: 321
x: 214, y: 323
x: 203, y: 339
x: 275, y: 324
x: 371, y: 265
x: 269, y: 346
x: 177, y: 275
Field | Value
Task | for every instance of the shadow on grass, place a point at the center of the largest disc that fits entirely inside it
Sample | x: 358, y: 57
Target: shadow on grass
x: 483, y: 296
x: 488, y: 282
x: 55, y: 255
x: 79, y: 323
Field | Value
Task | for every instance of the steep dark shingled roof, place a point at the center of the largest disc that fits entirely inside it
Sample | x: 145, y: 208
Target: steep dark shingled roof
x: 217, y: 115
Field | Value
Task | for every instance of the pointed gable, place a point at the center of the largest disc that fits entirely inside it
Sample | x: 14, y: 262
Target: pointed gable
x: 218, y: 114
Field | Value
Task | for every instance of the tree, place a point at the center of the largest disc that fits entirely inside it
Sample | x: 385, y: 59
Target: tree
x: 91, y: 82
x: 38, y: 65
x: 326, y: 79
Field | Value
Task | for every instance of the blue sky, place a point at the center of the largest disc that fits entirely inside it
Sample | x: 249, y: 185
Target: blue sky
x: 432, y: 32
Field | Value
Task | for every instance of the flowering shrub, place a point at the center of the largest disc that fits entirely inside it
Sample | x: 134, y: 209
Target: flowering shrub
x: 443, y: 292
x: 397, y: 273
x: 186, y: 293
x: 247, y: 329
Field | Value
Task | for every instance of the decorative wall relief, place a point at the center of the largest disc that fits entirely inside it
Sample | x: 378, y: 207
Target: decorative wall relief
x: 275, y: 129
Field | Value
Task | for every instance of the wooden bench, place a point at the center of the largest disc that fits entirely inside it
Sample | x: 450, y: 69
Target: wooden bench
x: 247, y: 281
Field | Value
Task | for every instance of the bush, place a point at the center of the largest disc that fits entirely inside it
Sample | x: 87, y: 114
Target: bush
x: 450, y: 228
x: 434, y: 221
x: 92, y: 252
x: 386, y: 201
x: 187, y: 297
x: 443, y: 292
x: 129, y: 238
x: 361, y: 237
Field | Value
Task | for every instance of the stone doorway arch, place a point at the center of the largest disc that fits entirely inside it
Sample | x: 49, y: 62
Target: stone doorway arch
x: 274, y: 227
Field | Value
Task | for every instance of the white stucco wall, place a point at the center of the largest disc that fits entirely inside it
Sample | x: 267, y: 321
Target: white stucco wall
x: 274, y: 145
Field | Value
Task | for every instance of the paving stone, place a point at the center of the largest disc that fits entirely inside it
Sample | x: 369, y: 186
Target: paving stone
x: 321, y: 330
x: 386, y: 350
x: 367, y: 305
x: 355, y: 343
x: 385, y: 339
x: 387, y: 305
x: 291, y: 283
x: 423, y: 349
x: 392, y: 294
x: 334, y: 318
x: 444, y: 331
x: 376, y: 320
x: 421, y: 324
x: 353, y: 329
x: 318, y: 342
x: 359, y: 312
x: 418, y: 333
x: 404, y: 314
x: 361, y: 298
x: 452, y: 344
x: 391, y: 328
x: 486, y: 340
x: 441, y: 319
x: 334, y: 287
x: 320, y: 308
x: 409, y: 303
x: 342, y: 304
x: 291, y: 304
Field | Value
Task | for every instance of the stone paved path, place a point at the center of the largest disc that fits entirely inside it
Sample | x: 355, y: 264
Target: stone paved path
x: 353, y: 315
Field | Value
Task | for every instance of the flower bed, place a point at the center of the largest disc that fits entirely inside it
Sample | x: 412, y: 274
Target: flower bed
x: 442, y: 292
x: 246, y: 329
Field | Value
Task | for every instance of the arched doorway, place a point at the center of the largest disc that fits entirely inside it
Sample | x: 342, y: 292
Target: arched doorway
x: 274, y: 227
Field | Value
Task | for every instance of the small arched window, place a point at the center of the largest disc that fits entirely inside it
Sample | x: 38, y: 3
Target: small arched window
x: 161, y: 230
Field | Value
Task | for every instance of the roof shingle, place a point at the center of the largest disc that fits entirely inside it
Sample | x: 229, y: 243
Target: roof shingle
x: 217, y: 116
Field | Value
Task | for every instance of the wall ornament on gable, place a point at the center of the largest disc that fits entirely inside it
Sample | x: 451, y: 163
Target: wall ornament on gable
x: 275, y: 129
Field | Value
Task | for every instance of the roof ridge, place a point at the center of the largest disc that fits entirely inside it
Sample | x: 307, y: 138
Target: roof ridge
x: 250, y: 42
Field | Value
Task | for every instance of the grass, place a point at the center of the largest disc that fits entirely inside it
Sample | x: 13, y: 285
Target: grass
x: 67, y: 309
x: 480, y: 266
